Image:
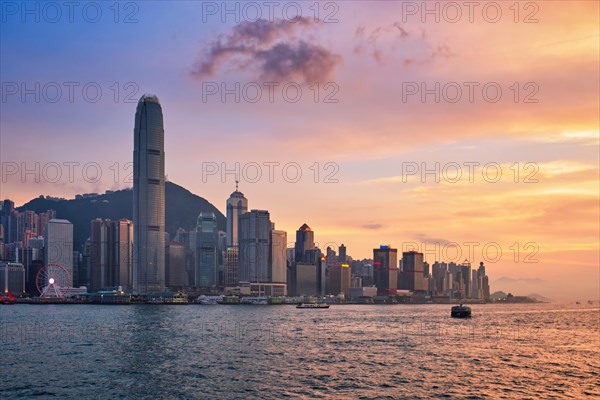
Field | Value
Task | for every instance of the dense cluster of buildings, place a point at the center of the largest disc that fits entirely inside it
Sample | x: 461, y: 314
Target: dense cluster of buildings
x: 251, y: 257
x: 28, y: 241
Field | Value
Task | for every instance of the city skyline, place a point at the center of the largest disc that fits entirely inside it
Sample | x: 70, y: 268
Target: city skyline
x: 197, y: 261
x: 236, y: 195
x: 371, y: 137
x: 431, y: 260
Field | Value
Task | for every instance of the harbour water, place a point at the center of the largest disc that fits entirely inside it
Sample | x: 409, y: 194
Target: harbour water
x: 535, y: 351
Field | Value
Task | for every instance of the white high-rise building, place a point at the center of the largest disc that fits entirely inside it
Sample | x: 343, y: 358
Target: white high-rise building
x: 58, y: 244
x: 149, y: 197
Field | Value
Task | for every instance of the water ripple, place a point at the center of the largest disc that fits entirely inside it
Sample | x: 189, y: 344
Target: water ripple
x: 366, y: 352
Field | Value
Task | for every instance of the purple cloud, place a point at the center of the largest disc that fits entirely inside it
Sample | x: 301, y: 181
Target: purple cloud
x: 272, y: 49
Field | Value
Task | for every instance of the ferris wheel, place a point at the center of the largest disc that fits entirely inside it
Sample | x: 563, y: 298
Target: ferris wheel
x: 53, y: 281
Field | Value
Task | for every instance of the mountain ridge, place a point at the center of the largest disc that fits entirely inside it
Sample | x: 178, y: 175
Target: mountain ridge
x: 181, y: 209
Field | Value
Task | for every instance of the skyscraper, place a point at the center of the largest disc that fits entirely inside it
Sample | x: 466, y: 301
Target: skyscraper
x: 385, y: 270
x: 486, y: 287
x: 465, y: 276
x: 330, y: 257
x: 111, y: 255
x: 255, y: 247
x: 439, y: 272
x: 278, y: 256
x: 230, y: 270
x: 237, y: 205
x: 305, y: 240
x: 339, y: 279
x: 207, y: 245
x: 342, y: 255
x: 476, y: 285
x: 308, y: 268
x: 481, y: 269
x: 484, y: 283
x: 124, y: 261
x: 98, y: 251
x: 26, y: 226
x: 43, y: 219
x: 149, y: 197
x: 59, y: 244
x: 6, y: 219
x: 12, y: 278
x: 1, y: 241
x: 306, y: 279
x: 188, y: 240
x: 176, y: 277
x: 411, y: 276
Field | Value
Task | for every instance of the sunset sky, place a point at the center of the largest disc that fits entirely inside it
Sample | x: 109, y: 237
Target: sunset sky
x: 375, y: 132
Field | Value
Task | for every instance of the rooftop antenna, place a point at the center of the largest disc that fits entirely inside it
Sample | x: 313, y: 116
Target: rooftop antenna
x: 236, y: 185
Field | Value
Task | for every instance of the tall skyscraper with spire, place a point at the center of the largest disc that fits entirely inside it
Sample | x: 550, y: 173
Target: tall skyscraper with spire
x: 149, y: 197
x: 237, y: 205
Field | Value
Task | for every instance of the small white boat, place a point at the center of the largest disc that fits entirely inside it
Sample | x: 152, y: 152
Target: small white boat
x: 313, y: 305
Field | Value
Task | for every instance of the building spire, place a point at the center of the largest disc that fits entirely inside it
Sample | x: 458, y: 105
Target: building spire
x: 236, y: 185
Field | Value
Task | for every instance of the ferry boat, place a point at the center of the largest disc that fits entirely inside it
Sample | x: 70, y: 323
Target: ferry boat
x: 166, y: 298
x: 255, y: 300
x: 461, y: 312
x: 109, y: 297
x: 7, y: 298
x: 209, y: 300
x: 245, y: 300
x: 312, y: 305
